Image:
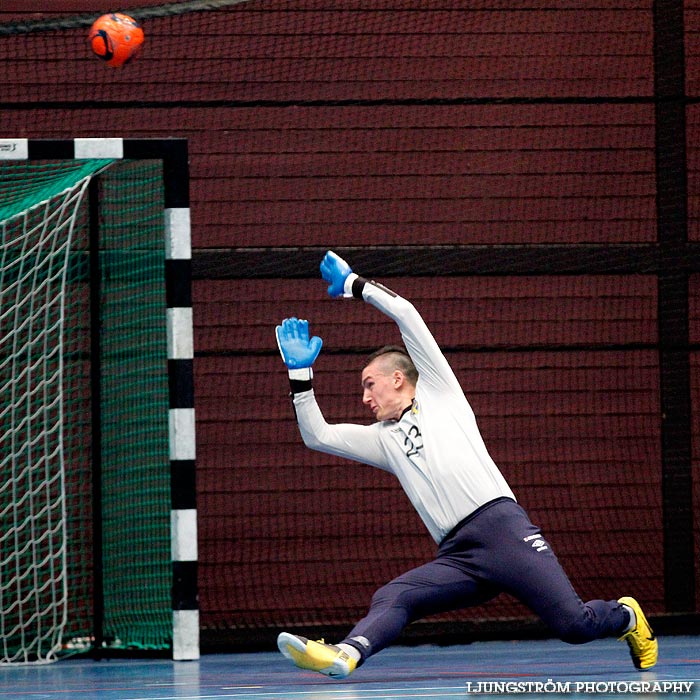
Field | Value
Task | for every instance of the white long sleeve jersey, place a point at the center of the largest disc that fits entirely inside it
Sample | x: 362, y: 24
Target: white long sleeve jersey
x: 435, y: 449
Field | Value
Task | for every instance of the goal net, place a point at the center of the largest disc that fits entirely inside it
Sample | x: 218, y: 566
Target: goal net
x: 38, y: 219
x: 85, y: 486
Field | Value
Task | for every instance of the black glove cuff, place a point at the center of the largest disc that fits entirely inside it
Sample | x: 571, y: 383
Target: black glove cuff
x: 358, y: 284
x: 299, y: 386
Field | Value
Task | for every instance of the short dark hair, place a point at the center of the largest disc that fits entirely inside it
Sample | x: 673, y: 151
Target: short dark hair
x: 399, y: 359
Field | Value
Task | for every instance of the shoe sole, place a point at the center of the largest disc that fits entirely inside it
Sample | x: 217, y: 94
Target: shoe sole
x: 285, y: 640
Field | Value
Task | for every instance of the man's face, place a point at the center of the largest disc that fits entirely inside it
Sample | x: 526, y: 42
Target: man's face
x: 380, y: 391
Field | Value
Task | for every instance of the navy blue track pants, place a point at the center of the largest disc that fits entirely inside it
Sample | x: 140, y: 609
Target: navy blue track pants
x: 497, y: 549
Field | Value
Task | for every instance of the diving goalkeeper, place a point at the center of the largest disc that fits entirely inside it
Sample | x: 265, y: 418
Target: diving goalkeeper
x: 427, y: 436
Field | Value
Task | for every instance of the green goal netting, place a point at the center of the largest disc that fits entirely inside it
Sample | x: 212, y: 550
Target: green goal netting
x: 84, y: 465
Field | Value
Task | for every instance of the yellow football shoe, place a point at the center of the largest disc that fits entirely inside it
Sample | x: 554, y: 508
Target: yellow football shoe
x: 316, y: 656
x: 644, y: 649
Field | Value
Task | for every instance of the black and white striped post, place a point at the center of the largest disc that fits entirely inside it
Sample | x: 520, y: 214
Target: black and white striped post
x: 178, y: 276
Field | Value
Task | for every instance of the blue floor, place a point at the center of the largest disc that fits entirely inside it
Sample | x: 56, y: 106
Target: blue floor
x: 598, y: 670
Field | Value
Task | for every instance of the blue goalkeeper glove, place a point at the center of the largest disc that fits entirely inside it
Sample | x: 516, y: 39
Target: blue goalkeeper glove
x: 335, y: 270
x: 297, y: 349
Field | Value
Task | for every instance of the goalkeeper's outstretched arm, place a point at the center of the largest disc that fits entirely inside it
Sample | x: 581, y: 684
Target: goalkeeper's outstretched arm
x: 299, y: 352
x: 431, y: 364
